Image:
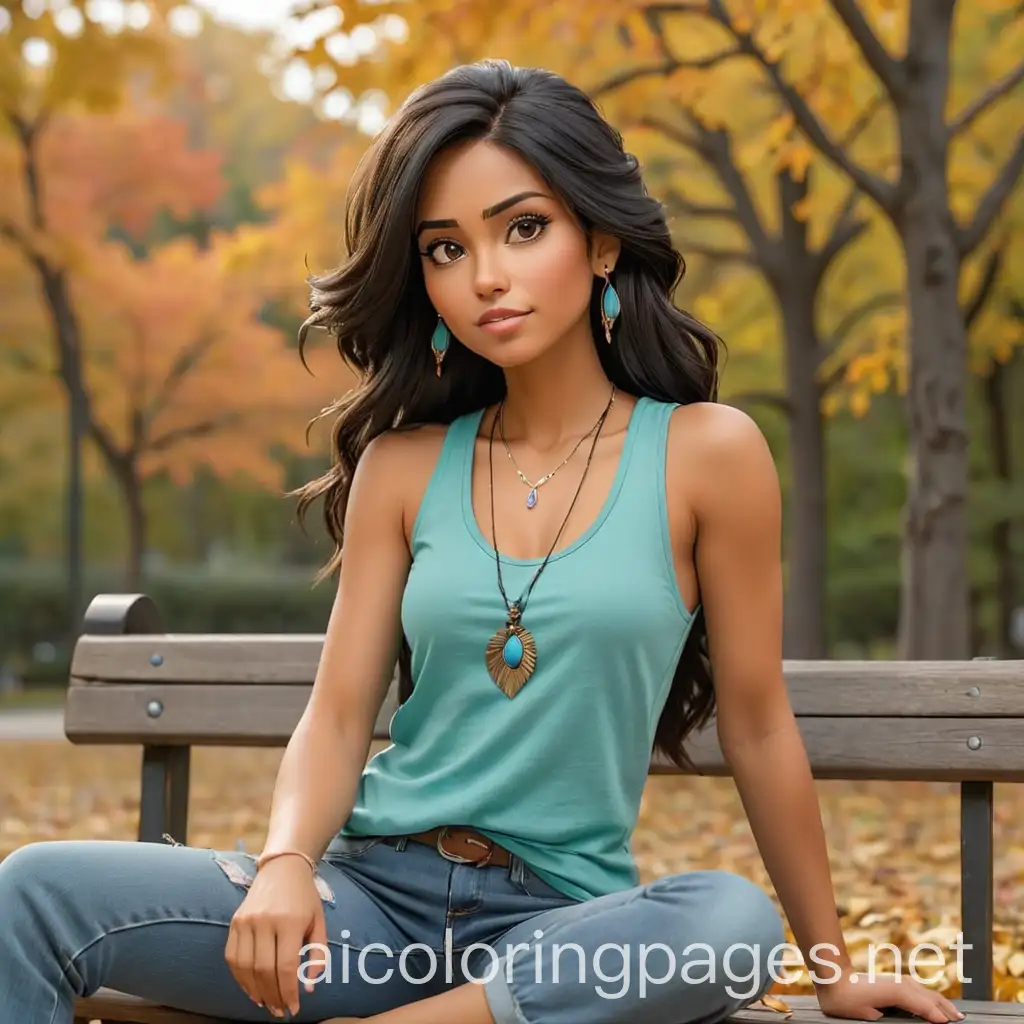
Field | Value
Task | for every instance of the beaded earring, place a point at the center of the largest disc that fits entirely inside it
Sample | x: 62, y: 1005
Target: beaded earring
x: 439, y: 342
x: 611, y: 307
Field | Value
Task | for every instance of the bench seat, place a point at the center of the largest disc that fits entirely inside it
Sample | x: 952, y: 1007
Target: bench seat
x: 108, y: 1005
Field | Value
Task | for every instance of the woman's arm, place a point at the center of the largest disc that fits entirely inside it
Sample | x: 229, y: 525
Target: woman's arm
x: 736, y: 505
x: 320, y: 770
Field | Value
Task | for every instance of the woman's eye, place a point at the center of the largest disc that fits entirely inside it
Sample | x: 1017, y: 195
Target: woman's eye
x: 450, y: 250
x: 528, y: 229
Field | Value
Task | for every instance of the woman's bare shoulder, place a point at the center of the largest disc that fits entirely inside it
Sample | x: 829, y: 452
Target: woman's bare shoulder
x: 718, y: 453
x: 407, y: 456
x: 713, y: 431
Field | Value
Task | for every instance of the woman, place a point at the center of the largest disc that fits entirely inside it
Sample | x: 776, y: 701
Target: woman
x: 547, y: 521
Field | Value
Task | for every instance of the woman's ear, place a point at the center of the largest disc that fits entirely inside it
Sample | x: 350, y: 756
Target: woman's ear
x: 604, y: 252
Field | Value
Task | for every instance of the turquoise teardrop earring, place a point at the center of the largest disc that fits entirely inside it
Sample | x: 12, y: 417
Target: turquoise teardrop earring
x: 439, y: 342
x: 610, y: 306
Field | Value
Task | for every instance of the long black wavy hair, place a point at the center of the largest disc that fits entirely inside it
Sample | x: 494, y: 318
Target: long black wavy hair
x: 376, y: 306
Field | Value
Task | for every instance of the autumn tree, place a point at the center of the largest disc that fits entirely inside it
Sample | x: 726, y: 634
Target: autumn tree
x: 182, y: 375
x: 765, y: 208
x: 910, y: 52
x: 160, y: 349
x: 51, y: 64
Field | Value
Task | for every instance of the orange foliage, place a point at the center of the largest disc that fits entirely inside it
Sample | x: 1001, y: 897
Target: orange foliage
x: 182, y: 371
x: 179, y: 368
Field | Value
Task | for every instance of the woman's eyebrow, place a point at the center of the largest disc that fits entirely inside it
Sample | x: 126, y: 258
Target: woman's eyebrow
x: 493, y: 211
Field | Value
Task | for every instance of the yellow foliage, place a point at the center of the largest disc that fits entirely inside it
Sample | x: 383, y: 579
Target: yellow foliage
x: 594, y: 43
x: 860, y: 401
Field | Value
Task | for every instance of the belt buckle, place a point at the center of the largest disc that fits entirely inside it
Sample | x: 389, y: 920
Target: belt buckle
x: 457, y: 858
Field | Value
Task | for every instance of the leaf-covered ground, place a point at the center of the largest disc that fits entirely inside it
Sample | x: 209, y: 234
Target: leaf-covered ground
x: 894, y: 847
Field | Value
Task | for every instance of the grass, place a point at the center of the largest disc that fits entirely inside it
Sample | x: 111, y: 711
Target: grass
x: 41, y: 697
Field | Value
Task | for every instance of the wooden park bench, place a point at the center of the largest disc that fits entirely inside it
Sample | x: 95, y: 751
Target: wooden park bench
x: 131, y: 683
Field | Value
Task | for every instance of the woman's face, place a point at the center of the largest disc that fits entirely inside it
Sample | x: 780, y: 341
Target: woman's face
x: 493, y: 238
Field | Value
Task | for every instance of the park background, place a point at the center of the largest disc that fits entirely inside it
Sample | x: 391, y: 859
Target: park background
x: 844, y: 178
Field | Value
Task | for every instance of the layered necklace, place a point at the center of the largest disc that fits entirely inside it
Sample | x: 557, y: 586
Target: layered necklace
x: 512, y: 652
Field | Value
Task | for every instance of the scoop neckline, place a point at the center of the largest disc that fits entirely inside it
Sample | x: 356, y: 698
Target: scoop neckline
x: 469, y: 516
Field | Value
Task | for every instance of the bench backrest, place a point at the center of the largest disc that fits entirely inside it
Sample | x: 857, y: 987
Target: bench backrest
x: 859, y: 719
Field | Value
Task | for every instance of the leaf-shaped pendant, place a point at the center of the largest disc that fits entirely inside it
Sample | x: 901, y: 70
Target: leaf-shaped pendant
x: 511, y: 658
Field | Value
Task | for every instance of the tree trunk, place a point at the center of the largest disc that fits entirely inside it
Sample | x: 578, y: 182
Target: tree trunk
x: 806, y: 538
x: 135, y: 514
x: 994, y: 385
x: 68, y: 341
x: 934, y: 614
x: 65, y: 329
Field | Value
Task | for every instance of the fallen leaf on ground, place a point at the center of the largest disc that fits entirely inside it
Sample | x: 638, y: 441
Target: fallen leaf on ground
x: 776, y: 1004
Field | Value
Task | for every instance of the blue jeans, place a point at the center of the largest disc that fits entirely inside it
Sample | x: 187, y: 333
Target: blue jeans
x: 403, y: 923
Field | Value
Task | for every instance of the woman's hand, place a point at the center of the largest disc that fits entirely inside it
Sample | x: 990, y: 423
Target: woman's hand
x: 859, y: 997
x: 280, y: 914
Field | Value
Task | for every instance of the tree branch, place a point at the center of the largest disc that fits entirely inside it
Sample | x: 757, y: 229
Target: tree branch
x: 185, y: 362
x: 691, y: 7
x: 834, y: 378
x: 714, y: 148
x: 193, y: 430
x: 969, y: 238
x: 881, y: 191
x: 662, y: 70
x: 974, y: 110
x: 678, y: 202
x: 889, y: 71
x: 845, y: 229
x: 714, y: 252
x: 9, y: 230
x: 989, y: 276
x: 883, y: 300
x: 674, y: 134
x: 717, y: 147
x: 854, y: 132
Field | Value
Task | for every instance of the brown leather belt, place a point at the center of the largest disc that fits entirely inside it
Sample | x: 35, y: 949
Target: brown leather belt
x: 463, y: 845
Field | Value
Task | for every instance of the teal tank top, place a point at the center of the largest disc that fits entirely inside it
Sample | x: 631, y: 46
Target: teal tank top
x: 555, y: 774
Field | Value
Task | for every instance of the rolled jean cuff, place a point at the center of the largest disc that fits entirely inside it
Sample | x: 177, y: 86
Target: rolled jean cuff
x: 502, y: 1004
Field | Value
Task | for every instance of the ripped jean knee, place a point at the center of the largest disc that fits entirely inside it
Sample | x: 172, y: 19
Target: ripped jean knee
x: 240, y: 869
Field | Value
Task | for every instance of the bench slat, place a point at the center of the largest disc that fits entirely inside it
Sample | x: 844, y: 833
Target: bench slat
x: 847, y: 748
x: 805, y: 1011
x: 108, y: 1004
x: 115, y: 1006
x: 212, y: 715
x: 830, y: 689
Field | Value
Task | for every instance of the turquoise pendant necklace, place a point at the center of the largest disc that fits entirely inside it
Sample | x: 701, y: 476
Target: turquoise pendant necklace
x: 511, y: 654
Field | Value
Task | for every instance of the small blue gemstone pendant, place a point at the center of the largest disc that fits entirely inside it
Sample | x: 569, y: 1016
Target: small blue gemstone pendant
x: 511, y: 655
x: 512, y: 652
x: 531, y: 498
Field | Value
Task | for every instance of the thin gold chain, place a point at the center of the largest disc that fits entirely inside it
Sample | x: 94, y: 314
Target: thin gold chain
x: 544, y: 479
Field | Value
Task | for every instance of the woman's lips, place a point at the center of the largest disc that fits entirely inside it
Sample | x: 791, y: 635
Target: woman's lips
x: 505, y: 326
